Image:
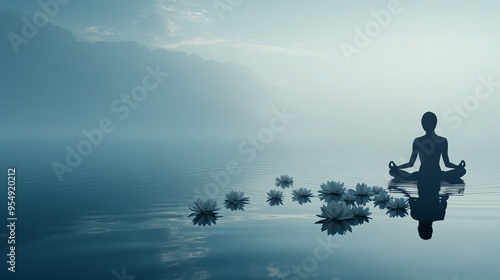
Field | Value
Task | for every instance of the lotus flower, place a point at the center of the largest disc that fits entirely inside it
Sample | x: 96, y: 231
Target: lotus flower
x: 235, y: 197
x: 397, y: 203
x: 396, y: 212
x: 336, y: 211
x: 377, y: 190
x: 339, y: 217
x: 275, y: 197
x: 331, y: 191
x: 203, y: 219
x: 332, y: 188
x: 335, y: 226
x: 208, y: 207
x: 362, y: 199
x: 349, y: 197
x: 360, y: 211
x: 361, y: 215
x: 381, y: 199
x: 363, y: 190
x: 284, y: 181
x: 205, y: 212
x: 235, y: 200
x: 359, y: 220
x: 396, y: 207
x: 302, y: 195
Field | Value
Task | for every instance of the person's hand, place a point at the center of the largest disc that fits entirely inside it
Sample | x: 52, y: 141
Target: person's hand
x: 462, y: 164
x: 392, y: 165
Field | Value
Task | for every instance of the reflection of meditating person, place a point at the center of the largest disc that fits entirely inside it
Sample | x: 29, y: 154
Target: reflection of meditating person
x: 428, y: 207
x: 429, y: 149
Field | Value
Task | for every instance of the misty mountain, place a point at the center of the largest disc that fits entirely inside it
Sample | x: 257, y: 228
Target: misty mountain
x: 56, y: 85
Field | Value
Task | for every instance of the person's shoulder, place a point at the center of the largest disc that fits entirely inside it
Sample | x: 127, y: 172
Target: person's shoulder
x: 419, y: 138
x: 441, y: 139
x: 416, y: 142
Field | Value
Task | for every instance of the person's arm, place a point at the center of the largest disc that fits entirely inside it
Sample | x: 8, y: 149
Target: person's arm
x: 413, y: 157
x: 446, y: 159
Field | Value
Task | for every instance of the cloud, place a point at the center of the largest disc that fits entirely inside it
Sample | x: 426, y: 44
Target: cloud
x: 232, y: 43
x: 172, y: 27
x: 299, y: 51
x: 197, y: 41
x: 95, y: 33
x: 180, y: 11
x: 196, y: 16
x: 177, y: 16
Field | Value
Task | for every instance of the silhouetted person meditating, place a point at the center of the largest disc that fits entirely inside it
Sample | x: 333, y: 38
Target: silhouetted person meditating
x: 429, y: 149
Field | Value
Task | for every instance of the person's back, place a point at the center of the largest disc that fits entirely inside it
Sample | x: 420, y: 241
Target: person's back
x: 430, y: 148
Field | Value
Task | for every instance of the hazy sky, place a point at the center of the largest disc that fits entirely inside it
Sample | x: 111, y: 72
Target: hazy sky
x: 296, y: 42
x: 356, y: 59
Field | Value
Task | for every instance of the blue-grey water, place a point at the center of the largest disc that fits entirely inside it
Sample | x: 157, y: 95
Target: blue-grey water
x: 122, y: 214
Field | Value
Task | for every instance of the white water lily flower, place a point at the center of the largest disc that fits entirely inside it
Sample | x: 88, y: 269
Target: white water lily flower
x: 335, y: 226
x: 302, y: 192
x: 235, y: 200
x: 275, y: 202
x: 235, y: 206
x: 331, y: 191
x: 207, y: 207
x: 205, y: 212
x: 236, y: 197
x: 381, y: 199
x: 377, y: 190
x: 349, y: 197
x: 205, y: 219
x: 363, y: 190
x: 397, y: 203
x: 360, y: 211
x: 330, y: 197
x: 302, y: 195
x: 302, y: 199
x: 284, y: 181
x: 332, y: 188
x: 397, y: 212
x: 359, y: 220
x: 362, y: 199
x: 336, y: 211
x: 275, y: 197
x: 274, y: 194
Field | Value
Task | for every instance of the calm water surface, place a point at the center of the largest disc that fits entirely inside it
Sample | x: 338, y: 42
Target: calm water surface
x: 122, y: 213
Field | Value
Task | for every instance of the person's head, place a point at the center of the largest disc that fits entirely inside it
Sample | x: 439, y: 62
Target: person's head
x: 429, y: 121
x: 425, y: 230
